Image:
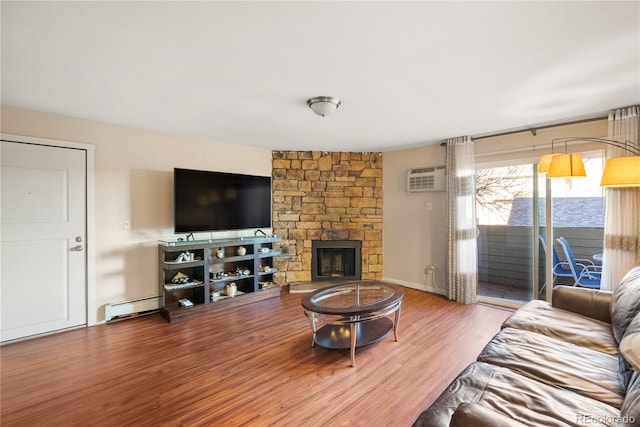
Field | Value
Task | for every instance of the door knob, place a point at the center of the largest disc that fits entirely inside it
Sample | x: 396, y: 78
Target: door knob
x: 78, y: 248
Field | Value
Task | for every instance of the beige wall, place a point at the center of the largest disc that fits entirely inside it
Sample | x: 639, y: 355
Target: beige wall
x: 133, y: 182
x: 413, y: 223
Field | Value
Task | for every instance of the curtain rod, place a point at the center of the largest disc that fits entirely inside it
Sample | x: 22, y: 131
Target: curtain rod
x: 533, y: 129
x: 531, y: 148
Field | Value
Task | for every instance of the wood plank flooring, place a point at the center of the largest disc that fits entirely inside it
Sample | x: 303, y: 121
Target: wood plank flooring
x: 251, y: 365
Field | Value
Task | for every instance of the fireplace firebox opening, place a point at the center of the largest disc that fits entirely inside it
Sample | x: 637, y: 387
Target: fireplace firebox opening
x: 336, y: 259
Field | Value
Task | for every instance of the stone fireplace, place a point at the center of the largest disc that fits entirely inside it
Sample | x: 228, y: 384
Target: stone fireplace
x: 336, y: 259
x: 326, y: 197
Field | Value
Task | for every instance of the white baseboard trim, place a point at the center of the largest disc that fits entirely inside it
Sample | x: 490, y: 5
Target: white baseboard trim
x: 418, y: 286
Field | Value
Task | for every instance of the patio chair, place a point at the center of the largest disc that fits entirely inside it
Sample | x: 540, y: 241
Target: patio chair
x: 560, y: 268
x: 587, y: 276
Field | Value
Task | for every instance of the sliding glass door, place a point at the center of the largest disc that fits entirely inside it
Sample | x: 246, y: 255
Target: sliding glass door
x: 507, y: 220
x: 511, y: 205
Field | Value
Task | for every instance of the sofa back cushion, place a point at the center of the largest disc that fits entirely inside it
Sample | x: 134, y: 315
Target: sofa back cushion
x: 625, y: 302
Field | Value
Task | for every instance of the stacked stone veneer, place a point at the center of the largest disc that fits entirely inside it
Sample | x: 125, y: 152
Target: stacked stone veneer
x: 326, y: 196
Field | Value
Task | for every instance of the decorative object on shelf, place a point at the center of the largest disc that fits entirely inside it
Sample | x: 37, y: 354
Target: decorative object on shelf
x: 215, y: 295
x: 618, y: 172
x: 231, y: 289
x: 241, y: 250
x: 264, y: 269
x: 219, y: 253
x: 264, y: 250
x: 185, y: 302
x: 180, y: 278
x: 241, y: 271
x: 266, y: 285
x: 323, y: 105
x: 186, y: 257
x: 217, y: 275
x: 176, y: 286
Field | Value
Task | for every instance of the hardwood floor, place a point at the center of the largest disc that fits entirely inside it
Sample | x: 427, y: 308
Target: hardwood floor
x: 251, y: 365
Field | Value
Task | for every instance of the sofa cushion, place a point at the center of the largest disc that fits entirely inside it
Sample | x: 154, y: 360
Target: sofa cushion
x: 530, y: 402
x: 539, y: 316
x: 625, y: 302
x: 630, y: 352
x: 579, y: 369
x: 472, y: 414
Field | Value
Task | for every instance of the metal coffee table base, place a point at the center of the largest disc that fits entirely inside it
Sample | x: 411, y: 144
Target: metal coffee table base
x: 340, y: 337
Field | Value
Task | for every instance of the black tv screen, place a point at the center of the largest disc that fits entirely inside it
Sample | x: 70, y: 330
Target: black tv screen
x: 217, y: 201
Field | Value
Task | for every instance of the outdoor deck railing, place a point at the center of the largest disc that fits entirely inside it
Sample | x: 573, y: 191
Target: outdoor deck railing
x: 505, y: 252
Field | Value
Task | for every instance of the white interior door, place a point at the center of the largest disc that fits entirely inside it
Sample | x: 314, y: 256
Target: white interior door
x: 43, y: 229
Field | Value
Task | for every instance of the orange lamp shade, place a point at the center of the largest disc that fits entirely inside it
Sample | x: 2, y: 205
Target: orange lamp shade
x: 621, y: 172
x: 566, y: 166
x: 545, y: 162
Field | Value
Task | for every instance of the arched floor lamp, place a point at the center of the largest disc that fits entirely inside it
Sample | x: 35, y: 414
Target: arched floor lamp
x: 618, y: 171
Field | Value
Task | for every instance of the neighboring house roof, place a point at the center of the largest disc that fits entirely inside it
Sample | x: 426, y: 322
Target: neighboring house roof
x: 567, y: 212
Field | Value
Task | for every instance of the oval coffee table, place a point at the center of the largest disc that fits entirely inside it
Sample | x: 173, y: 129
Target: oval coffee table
x: 353, y: 314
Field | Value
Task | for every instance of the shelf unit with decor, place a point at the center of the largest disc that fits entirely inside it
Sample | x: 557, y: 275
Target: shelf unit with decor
x: 200, y: 271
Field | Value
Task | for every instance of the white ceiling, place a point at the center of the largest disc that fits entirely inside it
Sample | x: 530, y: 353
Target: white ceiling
x: 408, y: 73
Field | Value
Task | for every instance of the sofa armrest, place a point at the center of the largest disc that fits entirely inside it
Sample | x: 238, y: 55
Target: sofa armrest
x: 591, y: 303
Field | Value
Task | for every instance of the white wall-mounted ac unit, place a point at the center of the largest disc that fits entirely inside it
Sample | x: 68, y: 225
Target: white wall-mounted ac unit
x: 426, y: 179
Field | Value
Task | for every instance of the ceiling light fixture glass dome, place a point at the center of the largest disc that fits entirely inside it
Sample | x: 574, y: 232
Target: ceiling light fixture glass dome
x: 323, y: 105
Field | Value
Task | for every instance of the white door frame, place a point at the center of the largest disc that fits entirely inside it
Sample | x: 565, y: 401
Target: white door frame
x: 90, y: 220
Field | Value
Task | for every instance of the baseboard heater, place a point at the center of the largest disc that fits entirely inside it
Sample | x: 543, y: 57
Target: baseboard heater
x: 125, y: 309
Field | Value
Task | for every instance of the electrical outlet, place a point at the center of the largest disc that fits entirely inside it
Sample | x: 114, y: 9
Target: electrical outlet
x: 126, y: 225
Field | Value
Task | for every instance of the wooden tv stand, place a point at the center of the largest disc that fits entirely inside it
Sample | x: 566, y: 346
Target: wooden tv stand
x: 210, y: 265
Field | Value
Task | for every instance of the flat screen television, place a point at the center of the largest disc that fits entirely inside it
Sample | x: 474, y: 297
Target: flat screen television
x: 219, y: 201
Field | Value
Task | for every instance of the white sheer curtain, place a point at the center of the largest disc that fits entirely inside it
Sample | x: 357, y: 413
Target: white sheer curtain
x: 622, y: 217
x: 462, y: 264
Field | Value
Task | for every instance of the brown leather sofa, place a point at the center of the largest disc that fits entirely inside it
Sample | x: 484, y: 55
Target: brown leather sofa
x: 574, y: 362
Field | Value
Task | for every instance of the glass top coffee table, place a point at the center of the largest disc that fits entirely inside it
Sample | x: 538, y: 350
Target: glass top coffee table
x: 353, y: 314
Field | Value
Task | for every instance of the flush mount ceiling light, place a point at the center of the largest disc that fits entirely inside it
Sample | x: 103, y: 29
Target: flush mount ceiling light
x: 323, y: 105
